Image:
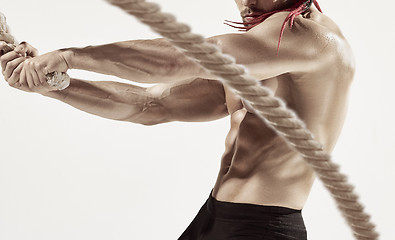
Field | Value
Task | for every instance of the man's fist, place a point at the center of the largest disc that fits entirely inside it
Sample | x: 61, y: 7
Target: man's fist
x: 25, y: 70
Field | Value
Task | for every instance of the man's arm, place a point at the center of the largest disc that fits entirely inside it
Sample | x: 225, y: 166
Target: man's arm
x: 157, y: 61
x: 143, y: 61
x: 189, y: 100
x: 194, y: 100
x: 257, y: 49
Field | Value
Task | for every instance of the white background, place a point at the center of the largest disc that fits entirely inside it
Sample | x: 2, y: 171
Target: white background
x: 65, y: 174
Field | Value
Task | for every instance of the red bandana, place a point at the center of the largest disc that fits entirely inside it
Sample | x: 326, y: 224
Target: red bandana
x: 298, y: 8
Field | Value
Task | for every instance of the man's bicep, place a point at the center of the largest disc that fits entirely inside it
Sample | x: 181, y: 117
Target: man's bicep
x: 195, y: 100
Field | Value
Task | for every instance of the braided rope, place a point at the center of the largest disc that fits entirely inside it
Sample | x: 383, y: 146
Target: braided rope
x: 5, y: 34
x: 269, y: 108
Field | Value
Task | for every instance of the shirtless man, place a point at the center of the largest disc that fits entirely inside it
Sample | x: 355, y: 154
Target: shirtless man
x: 262, y: 184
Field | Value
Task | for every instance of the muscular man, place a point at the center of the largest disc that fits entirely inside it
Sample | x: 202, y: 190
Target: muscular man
x: 263, y: 183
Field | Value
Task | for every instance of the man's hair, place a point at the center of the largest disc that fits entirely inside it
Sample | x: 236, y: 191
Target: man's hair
x: 299, y: 7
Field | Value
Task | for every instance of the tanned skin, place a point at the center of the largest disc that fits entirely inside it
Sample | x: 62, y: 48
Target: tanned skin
x: 312, y: 74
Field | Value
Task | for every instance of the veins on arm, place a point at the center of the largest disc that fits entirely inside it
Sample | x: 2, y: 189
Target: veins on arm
x: 192, y: 101
x: 143, y: 61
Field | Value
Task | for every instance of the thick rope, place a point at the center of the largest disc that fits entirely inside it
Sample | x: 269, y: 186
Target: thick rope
x: 271, y: 109
x: 5, y: 34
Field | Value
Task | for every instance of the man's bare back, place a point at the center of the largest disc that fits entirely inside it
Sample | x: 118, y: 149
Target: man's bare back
x: 258, y: 166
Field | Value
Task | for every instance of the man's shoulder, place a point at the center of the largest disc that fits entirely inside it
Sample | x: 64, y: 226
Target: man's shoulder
x: 308, y: 46
x: 314, y: 32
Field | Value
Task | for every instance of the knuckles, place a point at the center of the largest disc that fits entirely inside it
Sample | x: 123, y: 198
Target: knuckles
x: 12, y: 64
x: 31, y: 64
x: 2, y: 58
x: 25, y: 47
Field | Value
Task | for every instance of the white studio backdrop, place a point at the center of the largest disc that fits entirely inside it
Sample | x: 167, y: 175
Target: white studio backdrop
x: 65, y: 174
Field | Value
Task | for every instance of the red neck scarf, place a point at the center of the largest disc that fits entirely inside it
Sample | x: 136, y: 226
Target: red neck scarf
x: 298, y: 8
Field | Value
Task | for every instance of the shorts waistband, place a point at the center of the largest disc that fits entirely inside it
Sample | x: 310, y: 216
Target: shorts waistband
x: 247, y: 211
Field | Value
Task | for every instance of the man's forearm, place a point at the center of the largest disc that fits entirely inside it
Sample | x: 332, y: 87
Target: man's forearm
x: 112, y: 100
x: 144, y: 61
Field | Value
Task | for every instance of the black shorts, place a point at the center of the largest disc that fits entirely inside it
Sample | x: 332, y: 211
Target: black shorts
x: 219, y: 220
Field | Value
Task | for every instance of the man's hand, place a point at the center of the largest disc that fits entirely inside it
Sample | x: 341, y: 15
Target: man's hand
x: 25, y: 70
